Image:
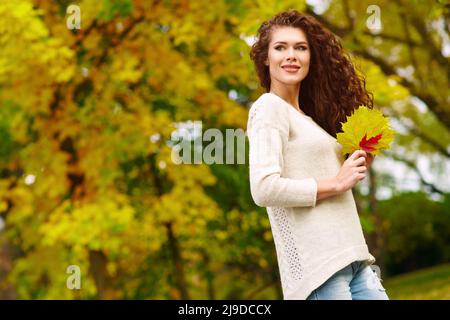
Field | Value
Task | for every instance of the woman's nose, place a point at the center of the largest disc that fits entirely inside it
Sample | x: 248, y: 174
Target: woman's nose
x: 291, y: 53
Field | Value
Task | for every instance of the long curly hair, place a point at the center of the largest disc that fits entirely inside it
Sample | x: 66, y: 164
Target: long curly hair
x: 332, y: 89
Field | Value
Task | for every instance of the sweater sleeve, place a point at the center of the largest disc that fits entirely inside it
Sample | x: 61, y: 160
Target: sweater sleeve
x: 268, y: 132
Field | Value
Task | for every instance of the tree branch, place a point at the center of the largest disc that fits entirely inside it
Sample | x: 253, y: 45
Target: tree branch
x: 393, y: 38
x: 436, y: 53
x: 412, y: 56
x: 103, y: 56
x: 411, y: 164
x: 431, y: 101
x: 417, y: 132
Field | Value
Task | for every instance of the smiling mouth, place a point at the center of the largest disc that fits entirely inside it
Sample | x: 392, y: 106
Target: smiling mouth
x: 291, y: 69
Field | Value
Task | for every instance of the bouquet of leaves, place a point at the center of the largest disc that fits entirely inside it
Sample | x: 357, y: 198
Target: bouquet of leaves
x: 366, y: 129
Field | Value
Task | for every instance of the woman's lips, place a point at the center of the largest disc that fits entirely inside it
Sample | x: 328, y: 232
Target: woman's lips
x: 291, y: 69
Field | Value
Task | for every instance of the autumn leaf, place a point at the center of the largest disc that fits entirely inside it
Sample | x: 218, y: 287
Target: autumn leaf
x: 366, y: 129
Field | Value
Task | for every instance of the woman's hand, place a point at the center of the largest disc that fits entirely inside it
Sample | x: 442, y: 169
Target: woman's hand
x: 353, y: 170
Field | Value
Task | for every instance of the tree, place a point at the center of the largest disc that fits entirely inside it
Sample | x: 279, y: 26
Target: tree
x: 86, y: 123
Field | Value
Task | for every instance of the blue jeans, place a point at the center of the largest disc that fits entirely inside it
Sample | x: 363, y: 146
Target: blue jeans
x: 357, y: 281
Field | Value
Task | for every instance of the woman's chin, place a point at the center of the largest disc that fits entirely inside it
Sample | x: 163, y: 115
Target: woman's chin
x: 291, y: 80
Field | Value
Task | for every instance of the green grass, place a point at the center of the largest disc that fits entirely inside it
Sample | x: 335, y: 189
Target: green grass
x: 426, y: 284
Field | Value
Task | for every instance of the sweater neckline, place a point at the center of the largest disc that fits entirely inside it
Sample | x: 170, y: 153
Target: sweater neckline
x: 295, y: 110
x: 290, y: 105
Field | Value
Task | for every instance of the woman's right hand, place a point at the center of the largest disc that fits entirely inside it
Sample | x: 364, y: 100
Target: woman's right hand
x: 352, y: 171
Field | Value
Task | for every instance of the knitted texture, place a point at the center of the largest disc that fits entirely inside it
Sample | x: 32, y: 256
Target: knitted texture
x: 289, y: 153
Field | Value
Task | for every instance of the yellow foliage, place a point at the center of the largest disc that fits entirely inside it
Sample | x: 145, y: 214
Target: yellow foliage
x: 26, y: 44
x: 94, y: 225
x: 126, y: 68
x: 366, y: 129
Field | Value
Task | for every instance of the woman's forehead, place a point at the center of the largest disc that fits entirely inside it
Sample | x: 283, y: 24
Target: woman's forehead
x: 289, y: 35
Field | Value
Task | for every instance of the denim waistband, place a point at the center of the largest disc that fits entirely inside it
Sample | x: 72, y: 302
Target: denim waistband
x: 356, y: 265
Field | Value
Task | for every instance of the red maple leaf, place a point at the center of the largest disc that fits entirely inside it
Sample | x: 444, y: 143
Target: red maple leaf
x: 369, y: 145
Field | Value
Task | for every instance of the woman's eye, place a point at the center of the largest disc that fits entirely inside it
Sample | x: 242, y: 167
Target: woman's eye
x: 302, y: 48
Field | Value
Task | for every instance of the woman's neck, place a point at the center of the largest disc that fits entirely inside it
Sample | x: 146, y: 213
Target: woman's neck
x: 287, y: 94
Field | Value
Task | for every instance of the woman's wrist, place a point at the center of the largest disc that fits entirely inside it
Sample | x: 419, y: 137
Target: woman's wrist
x: 337, y: 185
x: 328, y: 188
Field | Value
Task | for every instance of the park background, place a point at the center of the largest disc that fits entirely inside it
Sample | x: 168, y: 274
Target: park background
x: 86, y: 122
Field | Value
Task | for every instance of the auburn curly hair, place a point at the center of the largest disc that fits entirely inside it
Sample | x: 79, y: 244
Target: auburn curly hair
x: 332, y: 89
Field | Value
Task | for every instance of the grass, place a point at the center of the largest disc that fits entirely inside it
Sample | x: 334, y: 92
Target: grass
x: 425, y: 284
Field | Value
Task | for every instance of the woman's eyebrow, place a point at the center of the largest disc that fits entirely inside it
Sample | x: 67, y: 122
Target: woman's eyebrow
x: 282, y: 42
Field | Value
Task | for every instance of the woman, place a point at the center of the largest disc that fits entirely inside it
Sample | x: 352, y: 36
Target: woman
x: 297, y: 169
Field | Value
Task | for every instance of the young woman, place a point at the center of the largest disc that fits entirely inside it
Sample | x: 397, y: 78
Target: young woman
x: 297, y: 170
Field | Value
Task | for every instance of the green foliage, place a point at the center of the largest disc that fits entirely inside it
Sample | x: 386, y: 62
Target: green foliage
x: 417, y: 231
x: 425, y: 284
x: 121, y: 8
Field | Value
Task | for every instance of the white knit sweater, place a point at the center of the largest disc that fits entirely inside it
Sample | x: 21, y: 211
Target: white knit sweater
x: 314, y: 239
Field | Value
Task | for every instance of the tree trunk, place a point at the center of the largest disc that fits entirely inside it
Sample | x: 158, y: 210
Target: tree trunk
x: 7, y: 292
x: 209, y: 276
x: 379, y: 234
x: 103, y: 281
x: 176, y: 257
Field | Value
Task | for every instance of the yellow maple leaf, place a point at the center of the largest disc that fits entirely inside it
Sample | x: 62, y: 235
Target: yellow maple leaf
x: 366, y: 129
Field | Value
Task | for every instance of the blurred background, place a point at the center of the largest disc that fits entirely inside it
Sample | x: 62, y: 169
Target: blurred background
x: 92, y: 205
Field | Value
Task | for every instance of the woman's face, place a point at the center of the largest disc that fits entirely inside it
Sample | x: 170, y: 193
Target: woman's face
x: 288, y: 47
